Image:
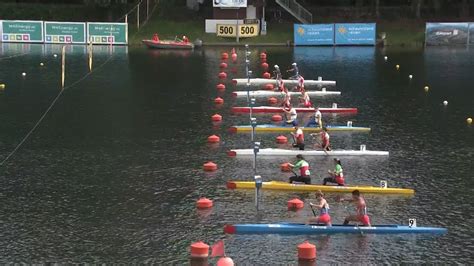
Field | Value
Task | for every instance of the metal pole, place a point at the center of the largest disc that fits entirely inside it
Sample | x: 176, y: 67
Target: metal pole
x: 258, y: 185
x: 138, y: 17
x: 237, y: 27
x: 147, y: 8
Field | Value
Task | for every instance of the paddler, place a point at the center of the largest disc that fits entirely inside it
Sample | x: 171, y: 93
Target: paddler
x: 316, y: 119
x: 303, y: 166
x: 324, y: 139
x: 185, y: 39
x: 298, y: 138
x: 277, y: 73
x: 291, y: 111
x: 295, y: 70
x: 337, y: 175
x: 305, y: 98
x: 300, y: 85
x: 361, y: 209
x: 323, y: 207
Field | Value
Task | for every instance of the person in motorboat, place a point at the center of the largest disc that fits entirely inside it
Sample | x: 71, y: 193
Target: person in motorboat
x: 295, y: 71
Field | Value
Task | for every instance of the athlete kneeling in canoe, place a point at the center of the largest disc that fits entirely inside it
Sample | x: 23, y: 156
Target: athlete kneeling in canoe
x: 324, y: 142
x: 337, y: 176
x: 323, y: 207
x: 361, y: 209
x: 316, y: 119
x: 303, y: 166
x: 305, y: 98
x: 293, y: 116
x: 298, y: 138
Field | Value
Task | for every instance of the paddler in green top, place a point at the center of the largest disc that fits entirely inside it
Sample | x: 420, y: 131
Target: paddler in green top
x: 337, y: 176
x: 303, y: 166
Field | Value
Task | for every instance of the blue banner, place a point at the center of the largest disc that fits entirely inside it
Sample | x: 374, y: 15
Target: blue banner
x: 447, y: 33
x: 314, y: 34
x: 355, y: 34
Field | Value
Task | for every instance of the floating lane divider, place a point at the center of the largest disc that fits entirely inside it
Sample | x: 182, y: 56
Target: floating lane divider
x: 271, y: 109
x: 285, y: 186
x: 285, y: 152
x: 294, y: 228
x: 277, y: 128
x: 263, y: 81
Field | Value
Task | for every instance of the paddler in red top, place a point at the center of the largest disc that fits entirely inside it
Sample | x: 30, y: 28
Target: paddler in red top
x: 155, y: 37
x: 324, y: 143
x: 185, y: 39
x: 298, y: 138
x: 361, y: 210
x: 323, y: 207
x: 303, y: 166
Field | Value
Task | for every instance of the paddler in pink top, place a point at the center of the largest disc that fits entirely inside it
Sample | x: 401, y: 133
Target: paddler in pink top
x: 323, y: 207
x: 361, y: 210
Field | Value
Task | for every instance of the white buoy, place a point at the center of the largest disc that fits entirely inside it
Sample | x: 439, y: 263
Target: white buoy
x: 23, y: 74
x: 397, y: 67
x: 469, y: 120
x: 55, y: 55
x: 410, y: 76
x: 41, y: 64
x: 445, y: 103
x: 427, y: 88
x: 385, y: 58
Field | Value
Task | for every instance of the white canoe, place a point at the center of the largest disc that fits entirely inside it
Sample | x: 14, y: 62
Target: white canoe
x: 263, y: 93
x: 294, y: 82
x: 284, y: 152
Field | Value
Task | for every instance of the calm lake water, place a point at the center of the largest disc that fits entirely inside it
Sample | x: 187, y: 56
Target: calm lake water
x: 113, y: 172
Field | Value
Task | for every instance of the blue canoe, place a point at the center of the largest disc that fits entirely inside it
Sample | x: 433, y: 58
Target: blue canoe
x: 294, y: 228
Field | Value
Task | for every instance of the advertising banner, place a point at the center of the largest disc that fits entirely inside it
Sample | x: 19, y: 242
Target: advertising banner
x: 229, y: 30
x: 447, y: 33
x: 313, y: 34
x: 355, y: 34
x: 64, y: 32
x: 229, y: 3
x: 21, y: 31
x: 107, y: 33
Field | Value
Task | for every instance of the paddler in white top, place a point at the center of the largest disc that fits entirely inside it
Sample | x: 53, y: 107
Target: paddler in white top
x: 291, y: 111
x: 316, y: 119
x: 298, y: 138
x: 295, y: 70
x: 277, y: 73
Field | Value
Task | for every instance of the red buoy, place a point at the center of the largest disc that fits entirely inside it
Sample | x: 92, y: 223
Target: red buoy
x: 266, y: 75
x: 234, y: 81
x: 223, y: 65
x: 222, y: 75
x: 204, y: 203
x: 285, y: 167
x: 231, y: 153
x: 209, y: 167
x: 264, y: 65
x: 263, y: 55
x: 273, y: 100
x: 277, y: 118
x: 225, y: 261
x: 234, y: 57
x: 269, y: 86
x: 295, y: 204
x: 199, y: 250
x: 218, y: 100
x: 306, y: 251
x: 216, y: 118
x: 281, y: 139
x: 224, y: 55
x: 220, y: 87
x: 213, y: 139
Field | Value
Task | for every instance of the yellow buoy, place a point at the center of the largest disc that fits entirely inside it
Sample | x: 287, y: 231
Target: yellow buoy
x: 469, y: 120
x: 397, y: 66
x: 2, y: 86
x: 427, y: 88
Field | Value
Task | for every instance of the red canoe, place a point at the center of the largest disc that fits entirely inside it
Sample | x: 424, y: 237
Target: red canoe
x: 270, y: 109
x: 168, y: 44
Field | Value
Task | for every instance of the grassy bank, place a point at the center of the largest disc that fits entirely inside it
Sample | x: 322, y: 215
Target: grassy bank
x: 404, y: 33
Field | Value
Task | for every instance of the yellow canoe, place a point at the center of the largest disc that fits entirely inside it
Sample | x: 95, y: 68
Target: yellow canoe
x: 277, y: 185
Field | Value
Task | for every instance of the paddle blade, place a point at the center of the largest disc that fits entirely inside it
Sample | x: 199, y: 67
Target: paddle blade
x: 218, y: 249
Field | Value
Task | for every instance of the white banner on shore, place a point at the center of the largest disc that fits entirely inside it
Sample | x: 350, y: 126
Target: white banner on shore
x: 230, y: 3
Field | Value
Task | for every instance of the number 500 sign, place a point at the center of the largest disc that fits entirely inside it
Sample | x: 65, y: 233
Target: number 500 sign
x: 229, y: 30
